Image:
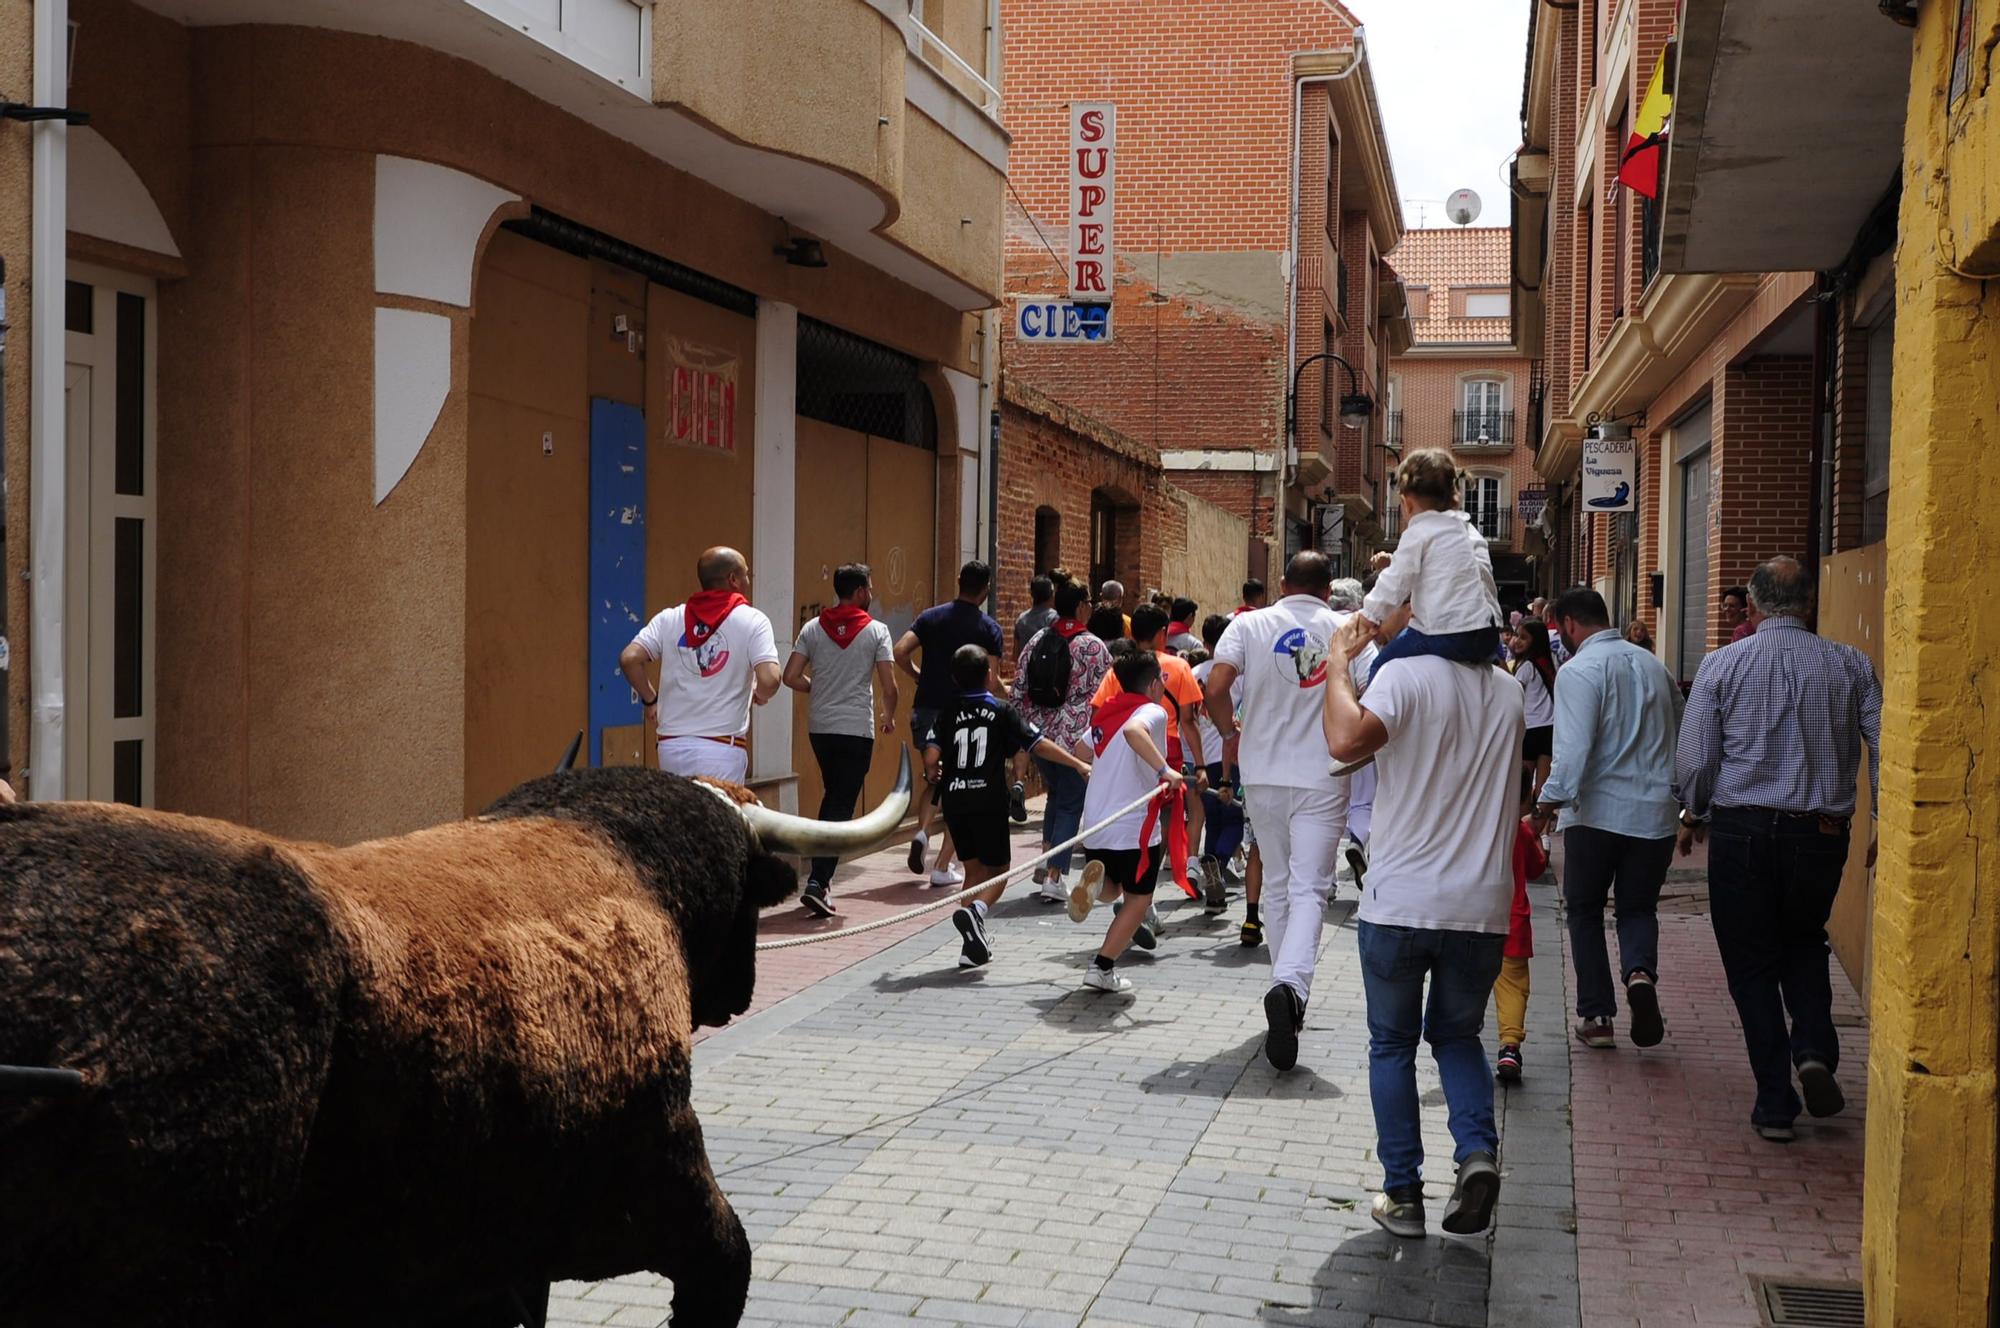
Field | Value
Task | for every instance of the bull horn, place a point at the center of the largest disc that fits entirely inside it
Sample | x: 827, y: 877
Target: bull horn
x: 568, y: 761
x: 807, y: 838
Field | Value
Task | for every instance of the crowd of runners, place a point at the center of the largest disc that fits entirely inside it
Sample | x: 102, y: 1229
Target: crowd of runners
x: 1405, y: 723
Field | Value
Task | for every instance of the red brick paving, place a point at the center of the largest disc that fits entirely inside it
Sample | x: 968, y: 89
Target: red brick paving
x: 870, y: 888
x: 1678, y: 1202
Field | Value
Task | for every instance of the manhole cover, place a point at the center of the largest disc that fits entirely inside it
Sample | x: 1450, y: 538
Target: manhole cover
x: 1813, y: 1305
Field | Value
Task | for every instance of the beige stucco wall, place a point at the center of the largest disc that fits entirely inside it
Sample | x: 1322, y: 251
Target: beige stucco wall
x: 310, y: 646
x: 1211, y: 568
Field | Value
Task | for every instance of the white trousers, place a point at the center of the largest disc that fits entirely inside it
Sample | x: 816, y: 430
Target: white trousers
x: 1298, y: 834
x: 1361, y: 803
x: 700, y: 756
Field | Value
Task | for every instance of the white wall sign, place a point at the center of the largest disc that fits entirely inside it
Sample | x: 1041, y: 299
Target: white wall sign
x: 1610, y: 469
x: 1093, y: 137
x: 1062, y: 322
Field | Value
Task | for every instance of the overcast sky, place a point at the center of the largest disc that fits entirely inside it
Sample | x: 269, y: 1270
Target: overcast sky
x: 1448, y: 73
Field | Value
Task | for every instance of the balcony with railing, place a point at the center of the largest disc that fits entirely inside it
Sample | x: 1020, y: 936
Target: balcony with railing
x: 1392, y: 431
x: 1482, y: 430
x: 1340, y: 286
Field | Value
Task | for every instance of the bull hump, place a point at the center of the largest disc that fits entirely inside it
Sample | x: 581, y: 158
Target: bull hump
x: 489, y: 943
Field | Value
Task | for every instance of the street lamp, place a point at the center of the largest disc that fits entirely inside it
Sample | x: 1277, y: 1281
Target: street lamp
x: 1355, y: 406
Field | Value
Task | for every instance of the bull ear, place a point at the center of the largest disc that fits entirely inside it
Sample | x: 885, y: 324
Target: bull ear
x: 568, y: 761
x: 769, y: 881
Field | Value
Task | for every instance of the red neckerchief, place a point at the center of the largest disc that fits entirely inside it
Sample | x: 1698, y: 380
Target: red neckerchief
x: 705, y: 612
x: 1175, y: 802
x: 1066, y: 628
x: 1242, y: 609
x: 1111, y: 718
x: 1175, y: 629
x: 844, y: 622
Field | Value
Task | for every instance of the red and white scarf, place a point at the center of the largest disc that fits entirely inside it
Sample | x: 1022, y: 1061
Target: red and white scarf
x: 705, y: 613
x: 844, y: 623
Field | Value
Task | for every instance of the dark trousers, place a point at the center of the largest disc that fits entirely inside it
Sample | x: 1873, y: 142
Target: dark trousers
x: 1771, y: 883
x: 1600, y: 865
x: 843, y: 768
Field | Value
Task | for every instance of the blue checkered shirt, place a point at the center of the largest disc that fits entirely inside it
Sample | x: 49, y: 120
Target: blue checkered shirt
x: 1778, y: 720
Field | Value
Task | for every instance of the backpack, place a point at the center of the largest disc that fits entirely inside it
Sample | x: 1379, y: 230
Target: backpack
x: 1048, y: 670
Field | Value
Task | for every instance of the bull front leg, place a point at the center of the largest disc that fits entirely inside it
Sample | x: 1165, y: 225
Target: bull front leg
x: 702, y: 1248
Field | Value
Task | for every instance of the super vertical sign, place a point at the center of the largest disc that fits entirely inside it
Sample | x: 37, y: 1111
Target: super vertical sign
x: 1093, y: 150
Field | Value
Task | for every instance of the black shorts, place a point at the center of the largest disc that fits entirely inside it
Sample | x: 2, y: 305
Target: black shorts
x: 1121, y: 867
x: 1539, y: 743
x: 979, y: 832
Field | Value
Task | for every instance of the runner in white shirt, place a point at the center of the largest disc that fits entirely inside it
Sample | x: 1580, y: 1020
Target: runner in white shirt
x: 717, y: 657
x: 1129, y: 735
x: 1297, y: 804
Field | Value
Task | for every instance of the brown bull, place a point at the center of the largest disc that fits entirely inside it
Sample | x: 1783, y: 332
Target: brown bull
x: 380, y: 1084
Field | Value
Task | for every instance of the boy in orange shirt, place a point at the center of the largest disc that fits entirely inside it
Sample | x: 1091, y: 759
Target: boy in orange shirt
x: 1183, y: 703
x: 1510, y: 990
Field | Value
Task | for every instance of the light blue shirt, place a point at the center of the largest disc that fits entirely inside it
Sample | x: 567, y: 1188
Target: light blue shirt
x: 1617, y: 719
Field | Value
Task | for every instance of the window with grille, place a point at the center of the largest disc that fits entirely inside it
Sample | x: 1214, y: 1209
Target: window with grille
x: 1482, y: 503
x: 859, y: 384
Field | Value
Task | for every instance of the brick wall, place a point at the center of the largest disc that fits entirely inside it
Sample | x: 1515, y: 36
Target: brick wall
x: 1762, y: 463
x: 1429, y: 390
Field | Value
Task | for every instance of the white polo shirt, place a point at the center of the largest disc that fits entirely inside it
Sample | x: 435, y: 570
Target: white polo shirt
x: 1280, y: 653
x: 705, y: 693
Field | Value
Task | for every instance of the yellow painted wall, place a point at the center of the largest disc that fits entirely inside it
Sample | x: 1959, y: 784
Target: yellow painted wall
x: 1929, y: 1221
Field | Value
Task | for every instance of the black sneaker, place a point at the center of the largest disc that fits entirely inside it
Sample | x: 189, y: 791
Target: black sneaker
x: 1017, y: 803
x: 1507, y: 1068
x: 977, y: 949
x: 1473, y: 1197
x: 1357, y: 862
x: 1822, y: 1093
x: 917, y: 847
x: 1642, y: 998
x: 1283, y: 1015
x: 817, y: 900
x: 1400, y: 1211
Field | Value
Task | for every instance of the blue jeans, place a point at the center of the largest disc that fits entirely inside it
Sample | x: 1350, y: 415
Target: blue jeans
x: 1062, y: 815
x: 1225, y: 819
x: 1462, y: 966
x: 1479, y: 646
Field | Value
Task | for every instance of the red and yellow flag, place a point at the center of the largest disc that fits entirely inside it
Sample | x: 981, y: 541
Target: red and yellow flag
x: 1645, y: 151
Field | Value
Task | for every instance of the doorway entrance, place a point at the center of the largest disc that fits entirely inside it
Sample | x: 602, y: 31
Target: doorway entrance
x: 111, y: 320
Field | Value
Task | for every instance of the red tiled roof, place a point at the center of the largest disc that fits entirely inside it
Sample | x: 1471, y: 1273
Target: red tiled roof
x: 1458, y: 257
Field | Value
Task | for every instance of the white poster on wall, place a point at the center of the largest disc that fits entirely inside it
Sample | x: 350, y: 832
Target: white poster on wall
x: 1093, y: 187
x: 1610, y: 469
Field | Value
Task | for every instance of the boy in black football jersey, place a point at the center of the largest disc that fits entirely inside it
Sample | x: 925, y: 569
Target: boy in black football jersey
x: 967, y: 755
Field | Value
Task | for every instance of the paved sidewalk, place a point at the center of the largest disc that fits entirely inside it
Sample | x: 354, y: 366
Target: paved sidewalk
x: 1679, y: 1204
x: 906, y: 1141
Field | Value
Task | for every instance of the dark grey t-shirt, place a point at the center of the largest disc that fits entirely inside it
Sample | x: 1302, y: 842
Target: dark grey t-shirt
x: 1025, y: 626
x: 843, y: 694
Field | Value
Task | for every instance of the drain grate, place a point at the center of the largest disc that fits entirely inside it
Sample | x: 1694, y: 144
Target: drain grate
x: 1813, y: 1305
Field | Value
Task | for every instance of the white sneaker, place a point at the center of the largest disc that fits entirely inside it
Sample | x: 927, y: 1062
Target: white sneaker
x: 1055, y: 890
x: 1098, y: 979
x: 950, y: 876
x: 1084, y: 894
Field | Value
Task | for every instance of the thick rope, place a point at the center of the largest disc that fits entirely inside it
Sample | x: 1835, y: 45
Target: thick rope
x: 1007, y: 879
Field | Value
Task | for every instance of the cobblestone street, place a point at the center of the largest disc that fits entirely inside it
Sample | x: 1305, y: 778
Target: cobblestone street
x: 909, y: 1142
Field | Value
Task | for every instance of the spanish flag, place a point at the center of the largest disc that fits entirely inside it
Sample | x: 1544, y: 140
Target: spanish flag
x: 1639, y: 169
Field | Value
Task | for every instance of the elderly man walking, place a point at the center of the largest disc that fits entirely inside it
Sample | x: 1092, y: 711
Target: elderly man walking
x: 1612, y: 779
x: 717, y: 658
x: 1768, y: 760
x: 1446, y: 737
x: 1293, y: 798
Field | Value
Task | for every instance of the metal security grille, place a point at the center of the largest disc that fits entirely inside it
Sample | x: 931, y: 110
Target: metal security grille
x: 575, y: 238
x: 858, y: 384
x: 1812, y: 1305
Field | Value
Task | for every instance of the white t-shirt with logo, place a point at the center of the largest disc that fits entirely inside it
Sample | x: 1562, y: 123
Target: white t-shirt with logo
x: 705, y: 693
x: 1448, y: 782
x: 1280, y: 653
x: 1119, y: 776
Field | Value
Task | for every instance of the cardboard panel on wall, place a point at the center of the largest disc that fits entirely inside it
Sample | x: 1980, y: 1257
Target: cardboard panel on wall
x: 902, y: 549
x: 831, y: 529
x: 527, y: 518
x: 699, y: 359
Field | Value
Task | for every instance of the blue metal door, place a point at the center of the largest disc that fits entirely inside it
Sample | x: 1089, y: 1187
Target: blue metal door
x: 617, y: 561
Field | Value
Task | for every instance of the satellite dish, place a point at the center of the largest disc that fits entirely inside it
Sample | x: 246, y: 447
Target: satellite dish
x: 1463, y: 207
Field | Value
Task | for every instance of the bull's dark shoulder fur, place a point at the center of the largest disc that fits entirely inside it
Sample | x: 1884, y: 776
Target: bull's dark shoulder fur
x: 378, y: 1084
x: 675, y: 831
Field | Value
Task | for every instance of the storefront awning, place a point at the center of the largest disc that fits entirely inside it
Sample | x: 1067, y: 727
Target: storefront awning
x: 1787, y: 129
